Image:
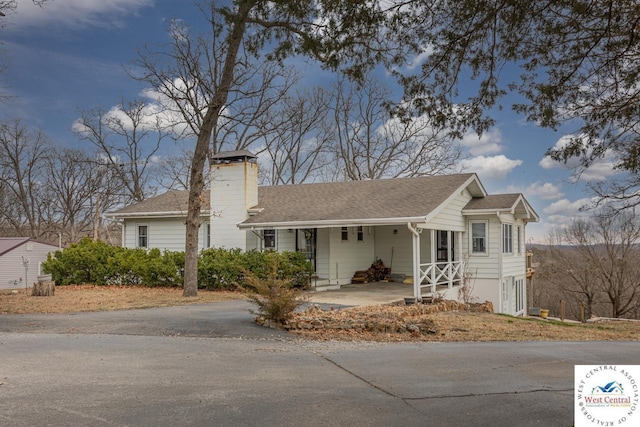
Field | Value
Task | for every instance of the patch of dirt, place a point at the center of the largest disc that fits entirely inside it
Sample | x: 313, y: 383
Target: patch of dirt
x: 70, y: 299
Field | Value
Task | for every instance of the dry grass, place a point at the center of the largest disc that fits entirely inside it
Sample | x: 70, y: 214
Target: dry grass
x: 455, y: 326
x: 69, y: 299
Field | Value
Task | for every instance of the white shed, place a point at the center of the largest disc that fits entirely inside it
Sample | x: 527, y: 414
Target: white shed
x: 21, y: 261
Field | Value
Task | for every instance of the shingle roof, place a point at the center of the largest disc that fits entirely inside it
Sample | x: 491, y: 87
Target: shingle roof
x: 9, y: 243
x: 495, y: 201
x: 353, y: 200
x: 171, y: 202
x: 500, y: 202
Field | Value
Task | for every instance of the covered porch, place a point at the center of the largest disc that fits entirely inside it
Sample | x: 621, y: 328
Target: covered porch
x: 441, y: 269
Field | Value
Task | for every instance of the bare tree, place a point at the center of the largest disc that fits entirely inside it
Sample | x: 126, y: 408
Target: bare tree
x: 371, y: 143
x: 567, y: 275
x: 22, y: 157
x: 128, y: 138
x: 73, y: 182
x: 206, y: 69
x: 298, y: 146
x: 599, y: 263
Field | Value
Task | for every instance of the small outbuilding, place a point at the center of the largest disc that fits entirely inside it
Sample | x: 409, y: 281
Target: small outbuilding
x: 21, y: 261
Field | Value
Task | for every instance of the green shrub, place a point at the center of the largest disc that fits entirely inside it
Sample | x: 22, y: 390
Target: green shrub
x: 219, y: 268
x: 98, y: 263
x: 87, y: 261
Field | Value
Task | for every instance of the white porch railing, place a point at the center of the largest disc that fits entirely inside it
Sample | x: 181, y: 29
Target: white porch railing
x: 440, y: 273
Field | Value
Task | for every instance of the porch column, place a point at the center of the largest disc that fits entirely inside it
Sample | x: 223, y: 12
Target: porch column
x: 434, y: 250
x: 449, y: 259
x: 415, y: 239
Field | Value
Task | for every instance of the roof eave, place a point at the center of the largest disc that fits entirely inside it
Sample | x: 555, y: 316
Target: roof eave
x: 170, y: 214
x: 330, y: 223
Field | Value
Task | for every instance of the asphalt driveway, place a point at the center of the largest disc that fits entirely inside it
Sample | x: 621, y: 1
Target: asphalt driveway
x: 210, y: 365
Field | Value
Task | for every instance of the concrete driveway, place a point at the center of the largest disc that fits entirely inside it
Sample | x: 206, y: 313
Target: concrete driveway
x: 361, y: 294
x: 209, y: 365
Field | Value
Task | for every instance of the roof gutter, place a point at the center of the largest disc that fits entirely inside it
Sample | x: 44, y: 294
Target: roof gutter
x: 170, y: 214
x: 329, y: 223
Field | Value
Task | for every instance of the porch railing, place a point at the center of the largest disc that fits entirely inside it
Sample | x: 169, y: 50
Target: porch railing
x: 440, y: 273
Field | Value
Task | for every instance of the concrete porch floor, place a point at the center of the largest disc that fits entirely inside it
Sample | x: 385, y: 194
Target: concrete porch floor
x: 362, y: 294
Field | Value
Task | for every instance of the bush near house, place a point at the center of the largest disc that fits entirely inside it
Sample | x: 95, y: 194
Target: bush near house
x: 98, y: 263
x: 225, y: 269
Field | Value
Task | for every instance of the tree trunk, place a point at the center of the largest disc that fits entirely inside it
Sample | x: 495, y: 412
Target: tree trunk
x: 210, y: 121
x: 43, y: 289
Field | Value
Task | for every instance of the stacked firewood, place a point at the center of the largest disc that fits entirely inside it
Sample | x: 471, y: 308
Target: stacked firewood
x: 375, y: 273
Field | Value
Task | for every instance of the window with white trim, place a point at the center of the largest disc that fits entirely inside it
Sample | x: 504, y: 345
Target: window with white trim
x: 507, y: 238
x: 142, y: 235
x: 479, y: 237
x: 345, y: 234
x: 269, y: 238
x: 519, y: 239
x: 360, y: 233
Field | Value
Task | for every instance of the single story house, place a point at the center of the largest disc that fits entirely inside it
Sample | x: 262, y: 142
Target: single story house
x: 21, y: 259
x: 432, y: 229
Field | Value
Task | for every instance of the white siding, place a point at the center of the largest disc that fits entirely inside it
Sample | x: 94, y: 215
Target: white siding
x: 485, y: 266
x: 450, y: 217
x: 12, y: 268
x: 163, y: 233
x: 322, y: 254
x: 514, y: 264
x: 399, y: 243
x: 346, y: 257
x: 286, y: 240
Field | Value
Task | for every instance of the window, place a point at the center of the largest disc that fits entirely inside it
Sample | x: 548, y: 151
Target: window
x: 360, y: 234
x: 520, y: 295
x: 519, y: 239
x: 442, y: 241
x: 143, y: 236
x: 479, y: 237
x: 345, y: 234
x: 269, y: 237
x: 208, y: 236
x: 507, y: 238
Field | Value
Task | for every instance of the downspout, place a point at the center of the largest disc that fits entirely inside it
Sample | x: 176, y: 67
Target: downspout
x: 415, y: 238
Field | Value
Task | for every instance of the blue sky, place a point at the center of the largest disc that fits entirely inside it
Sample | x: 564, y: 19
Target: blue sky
x: 70, y: 55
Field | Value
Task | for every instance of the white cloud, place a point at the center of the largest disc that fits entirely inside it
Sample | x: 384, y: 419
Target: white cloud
x: 599, y: 170
x: 567, y: 208
x: 557, y: 216
x: 75, y: 13
x: 489, y: 143
x: 490, y: 168
x: 420, y: 58
x: 544, y: 191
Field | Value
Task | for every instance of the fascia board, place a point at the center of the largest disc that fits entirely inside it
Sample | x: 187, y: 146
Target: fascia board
x: 170, y: 214
x: 328, y: 223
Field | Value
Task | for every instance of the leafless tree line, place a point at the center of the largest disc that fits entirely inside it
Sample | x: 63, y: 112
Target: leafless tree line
x: 593, y: 267
x: 138, y: 149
